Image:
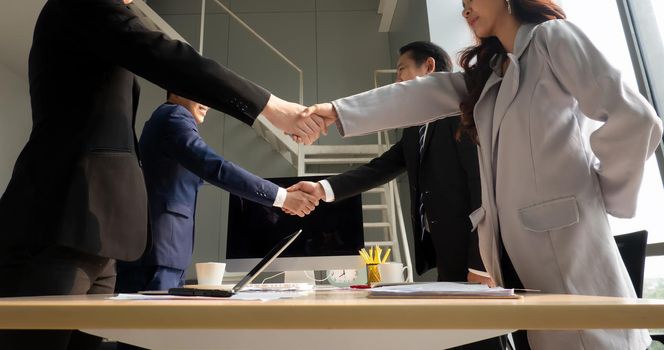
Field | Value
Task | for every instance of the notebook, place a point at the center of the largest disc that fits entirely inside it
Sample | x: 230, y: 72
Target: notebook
x: 442, y: 290
x: 224, y: 292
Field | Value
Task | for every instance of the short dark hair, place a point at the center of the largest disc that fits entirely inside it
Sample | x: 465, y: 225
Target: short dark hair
x: 419, y: 51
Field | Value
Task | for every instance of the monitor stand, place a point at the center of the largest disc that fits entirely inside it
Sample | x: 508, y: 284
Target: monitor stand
x: 299, y: 277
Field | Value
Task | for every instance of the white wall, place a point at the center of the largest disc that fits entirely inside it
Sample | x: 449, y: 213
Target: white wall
x: 17, y: 20
x: 448, y: 28
x: 409, y: 23
x: 15, y: 121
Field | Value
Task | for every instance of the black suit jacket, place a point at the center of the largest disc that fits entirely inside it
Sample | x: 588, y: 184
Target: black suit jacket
x: 448, y: 177
x: 77, y: 182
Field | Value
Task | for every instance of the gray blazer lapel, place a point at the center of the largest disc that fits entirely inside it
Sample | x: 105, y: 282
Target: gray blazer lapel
x: 491, y: 82
x: 511, y: 79
x: 485, y: 103
x: 506, y: 94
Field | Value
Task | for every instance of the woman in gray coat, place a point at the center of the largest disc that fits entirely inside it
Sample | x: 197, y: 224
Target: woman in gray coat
x: 527, y: 92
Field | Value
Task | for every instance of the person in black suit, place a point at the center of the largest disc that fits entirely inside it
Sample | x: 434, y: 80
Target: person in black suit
x: 443, y: 174
x: 77, y: 200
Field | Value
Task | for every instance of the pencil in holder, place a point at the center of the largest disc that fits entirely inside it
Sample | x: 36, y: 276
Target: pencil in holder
x: 373, y: 275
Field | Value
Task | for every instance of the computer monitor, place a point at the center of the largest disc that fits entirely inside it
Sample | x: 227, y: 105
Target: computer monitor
x: 331, y: 235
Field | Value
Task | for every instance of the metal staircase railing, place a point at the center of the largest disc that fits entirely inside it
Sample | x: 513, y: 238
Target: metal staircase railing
x: 397, y: 220
x: 390, y: 227
x: 383, y: 215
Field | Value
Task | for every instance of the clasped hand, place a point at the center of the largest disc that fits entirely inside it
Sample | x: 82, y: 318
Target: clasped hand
x: 304, y: 194
x: 303, y: 125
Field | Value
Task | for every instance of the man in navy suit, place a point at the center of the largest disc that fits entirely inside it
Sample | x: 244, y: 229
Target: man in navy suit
x: 176, y: 160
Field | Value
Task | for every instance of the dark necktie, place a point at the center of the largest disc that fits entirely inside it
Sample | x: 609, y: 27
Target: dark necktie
x: 422, y: 134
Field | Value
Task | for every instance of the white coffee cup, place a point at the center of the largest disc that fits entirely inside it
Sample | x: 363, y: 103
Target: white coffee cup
x: 392, y: 272
x: 210, y: 273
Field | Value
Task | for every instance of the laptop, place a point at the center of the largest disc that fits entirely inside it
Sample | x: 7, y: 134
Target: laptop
x: 222, y: 292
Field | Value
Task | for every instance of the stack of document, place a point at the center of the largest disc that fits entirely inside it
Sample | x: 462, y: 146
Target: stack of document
x: 441, y: 290
x: 278, y: 287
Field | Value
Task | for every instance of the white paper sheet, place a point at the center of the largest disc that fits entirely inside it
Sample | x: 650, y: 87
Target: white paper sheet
x: 258, y: 296
x: 441, y: 289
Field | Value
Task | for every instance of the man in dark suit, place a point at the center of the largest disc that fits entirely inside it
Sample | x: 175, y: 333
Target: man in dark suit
x: 76, y: 200
x: 175, y: 161
x: 443, y: 175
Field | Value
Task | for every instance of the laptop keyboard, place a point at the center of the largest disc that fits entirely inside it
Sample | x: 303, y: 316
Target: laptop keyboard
x: 278, y: 287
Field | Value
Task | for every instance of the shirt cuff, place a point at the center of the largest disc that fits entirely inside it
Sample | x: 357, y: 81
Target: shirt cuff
x: 475, y: 217
x: 329, y: 193
x: 480, y: 273
x: 281, y: 197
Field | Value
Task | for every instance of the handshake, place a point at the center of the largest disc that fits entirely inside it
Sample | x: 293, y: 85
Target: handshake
x: 303, y: 197
x: 303, y: 124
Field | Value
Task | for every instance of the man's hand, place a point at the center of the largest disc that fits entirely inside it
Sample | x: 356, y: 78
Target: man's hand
x: 323, y: 114
x: 288, y: 117
x: 313, y: 188
x: 475, y: 278
x: 323, y: 110
x: 299, y: 203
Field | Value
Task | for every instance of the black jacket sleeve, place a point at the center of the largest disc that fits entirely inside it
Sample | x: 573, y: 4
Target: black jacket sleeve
x: 467, y: 151
x: 377, y: 172
x: 112, y: 31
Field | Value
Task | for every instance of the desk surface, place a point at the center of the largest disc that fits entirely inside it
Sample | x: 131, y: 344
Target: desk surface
x: 332, y: 310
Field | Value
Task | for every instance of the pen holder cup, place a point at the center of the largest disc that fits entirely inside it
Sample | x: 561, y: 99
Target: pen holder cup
x: 373, y: 275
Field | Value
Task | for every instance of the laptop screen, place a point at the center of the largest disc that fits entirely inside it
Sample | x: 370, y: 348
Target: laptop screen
x: 271, y: 255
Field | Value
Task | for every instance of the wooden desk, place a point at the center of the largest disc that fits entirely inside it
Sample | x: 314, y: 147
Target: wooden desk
x: 340, y: 319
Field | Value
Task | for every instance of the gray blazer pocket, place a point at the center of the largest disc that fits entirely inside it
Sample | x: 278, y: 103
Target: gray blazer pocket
x: 550, y: 215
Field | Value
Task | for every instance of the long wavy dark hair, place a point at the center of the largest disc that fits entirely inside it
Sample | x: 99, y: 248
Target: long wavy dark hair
x: 475, y: 59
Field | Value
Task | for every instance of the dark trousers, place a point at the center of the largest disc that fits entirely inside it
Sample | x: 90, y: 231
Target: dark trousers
x: 53, y: 271
x: 134, y: 277
x: 511, y: 280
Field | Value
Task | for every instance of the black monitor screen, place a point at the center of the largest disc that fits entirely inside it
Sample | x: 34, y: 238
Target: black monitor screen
x: 333, y: 229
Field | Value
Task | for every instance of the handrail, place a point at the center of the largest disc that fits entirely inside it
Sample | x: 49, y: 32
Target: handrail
x: 201, y: 35
x: 655, y: 249
x: 154, y: 21
x: 382, y: 71
x: 376, y: 73
x: 402, y: 224
x: 384, y: 139
x: 270, y: 46
x: 286, y: 141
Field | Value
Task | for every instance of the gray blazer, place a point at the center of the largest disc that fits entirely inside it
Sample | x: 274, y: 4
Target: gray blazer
x: 547, y: 185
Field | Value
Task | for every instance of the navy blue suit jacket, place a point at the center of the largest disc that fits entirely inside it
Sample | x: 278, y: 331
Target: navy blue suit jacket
x: 176, y: 160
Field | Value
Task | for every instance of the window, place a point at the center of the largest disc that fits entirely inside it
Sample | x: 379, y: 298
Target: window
x: 603, y: 22
x: 645, y: 20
